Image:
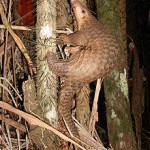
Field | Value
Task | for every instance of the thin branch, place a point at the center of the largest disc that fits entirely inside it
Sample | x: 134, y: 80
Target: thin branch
x: 2, y: 78
x: 94, y: 113
x: 9, y: 135
x: 14, y: 27
x: 5, y: 88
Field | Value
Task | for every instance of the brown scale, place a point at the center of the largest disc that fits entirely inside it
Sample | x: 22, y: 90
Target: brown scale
x: 95, y: 55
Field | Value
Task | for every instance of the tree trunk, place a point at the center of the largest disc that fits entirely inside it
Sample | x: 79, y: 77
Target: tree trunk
x: 119, y: 121
x: 46, y: 81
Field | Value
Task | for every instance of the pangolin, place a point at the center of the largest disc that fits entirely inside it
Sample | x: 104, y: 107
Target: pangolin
x: 95, y: 55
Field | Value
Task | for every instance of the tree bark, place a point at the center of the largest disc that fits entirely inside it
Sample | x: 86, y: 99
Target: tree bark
x: 46, y: 81
x: 119, y: 123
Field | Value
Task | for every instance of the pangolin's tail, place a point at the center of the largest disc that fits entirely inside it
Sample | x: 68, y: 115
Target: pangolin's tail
x: 65, y: 105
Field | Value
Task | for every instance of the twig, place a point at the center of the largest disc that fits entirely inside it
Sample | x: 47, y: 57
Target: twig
x: 18, y: 138
x: 5, y: 88
x: 9, y: 136
x: 87, y: 138
x: 27, y: 142
x: 2, y: 78
x: 7, y: 142
x: 14, y: 27
x: 94, y: 113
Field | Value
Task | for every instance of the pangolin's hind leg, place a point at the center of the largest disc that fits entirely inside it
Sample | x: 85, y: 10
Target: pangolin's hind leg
x: 58, y: 67
x: 66, y: 95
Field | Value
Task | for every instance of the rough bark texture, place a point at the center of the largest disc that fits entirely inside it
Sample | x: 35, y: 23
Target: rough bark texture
x: 46, y: 81
x: 119, y: 122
